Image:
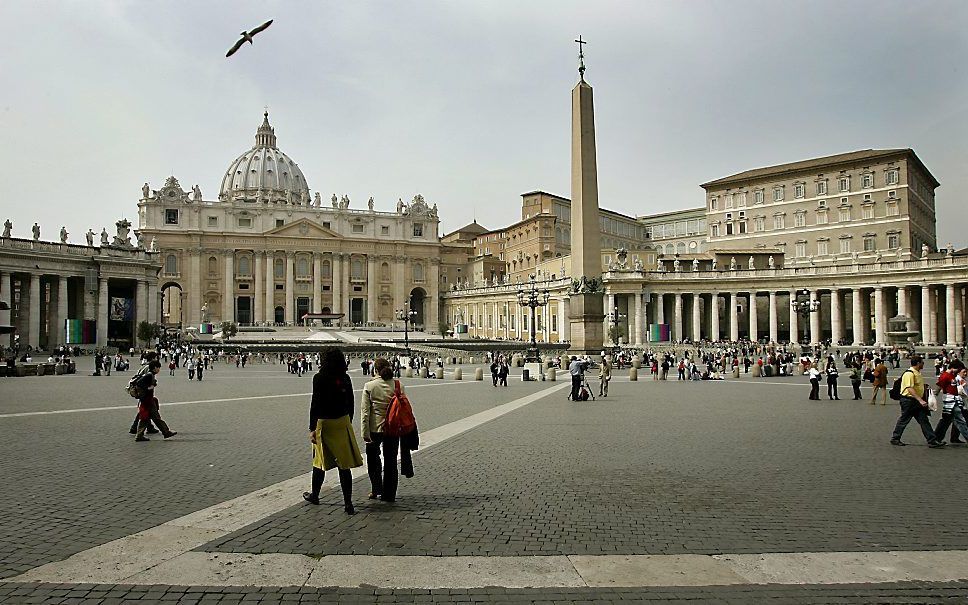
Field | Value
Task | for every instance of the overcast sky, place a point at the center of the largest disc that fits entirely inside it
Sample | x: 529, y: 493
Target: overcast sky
x: 467, y: 102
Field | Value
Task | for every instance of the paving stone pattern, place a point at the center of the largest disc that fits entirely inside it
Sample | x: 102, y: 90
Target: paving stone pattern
x: 74, y: 481
x: 101, y: 594
x: 657, y: 468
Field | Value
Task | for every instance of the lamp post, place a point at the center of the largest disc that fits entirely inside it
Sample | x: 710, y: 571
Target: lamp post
x: 406, y: 314
x: 803, y: 306
x: 614, y: 318
x: 533, y: 298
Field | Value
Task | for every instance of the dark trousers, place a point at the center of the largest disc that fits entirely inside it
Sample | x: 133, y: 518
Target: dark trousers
x: 856, y: 385
x: 504, y: 380
x: 575, y: 385
x: 383, y: 473
x: 494, y: 378
x: 912, y: 408
x: 814, y: 388
x: 153, y: 416
x: 134, y: 425
x: 832, y: 387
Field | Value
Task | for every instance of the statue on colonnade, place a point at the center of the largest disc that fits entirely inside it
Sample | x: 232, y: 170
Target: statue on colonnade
x: 145, y: 191
x: 7, y: 226
x: 104, y: 237
x: 89, y: 236
x: 36, y: 231
x: 63, y: 235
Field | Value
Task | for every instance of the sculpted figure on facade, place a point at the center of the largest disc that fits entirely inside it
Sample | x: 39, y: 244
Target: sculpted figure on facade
x: 63, y: 235
x: 145, y: 190
x: 925, y: 251
x: 771, y: 262
x: 36, y: 231
x: 399, y: 205
x: 317, y: 201
x: 369, y: 204
x: 695, y: 265
x: 89, y: 236
x: 122, y: 239
x: 153, y: 246
x: 638, y: 265
x: 196, y: 194
x: 104, y: 237
x: 7, y: 226
x: 950, y: 249
x: 732, y: 264
x: 344, y: 202
x: 140, y: 239
x: 334, y: 201
x: 675, y: 265
x: 751, y: 264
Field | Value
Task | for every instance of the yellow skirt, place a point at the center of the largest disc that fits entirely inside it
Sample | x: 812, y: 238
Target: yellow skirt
x: 336, y: 445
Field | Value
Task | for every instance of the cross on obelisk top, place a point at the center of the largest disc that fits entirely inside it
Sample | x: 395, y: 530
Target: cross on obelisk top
x: 581, y: 57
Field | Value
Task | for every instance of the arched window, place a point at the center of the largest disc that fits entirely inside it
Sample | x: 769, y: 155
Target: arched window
x: 212, y: 265
x: 171, y: 264
x: 327, y: 270
x: 418, y: 273
x: 681, y: 248
x: 385, y: 272
x: 244, y: 266
x: 279, y: 268
x: 356, y: 269
x: 302, y: 267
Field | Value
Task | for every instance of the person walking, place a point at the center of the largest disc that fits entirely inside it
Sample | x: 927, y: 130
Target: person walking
x: 143, y: 370
x: 494, y: 371
x: 604, y: 376
x: 331, y: 428
x: 880, y: 382
x: 503, y: 372
x: 198, y: 369
x: 914, y: 405
x: 832, y: 373
x: 814, y: 374
x: 148, y: 404
x: 951, y: 383
x: 377, y: 394
x: 855, y: 378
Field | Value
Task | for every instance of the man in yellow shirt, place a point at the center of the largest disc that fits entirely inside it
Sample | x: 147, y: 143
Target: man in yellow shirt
x: 914, y: 405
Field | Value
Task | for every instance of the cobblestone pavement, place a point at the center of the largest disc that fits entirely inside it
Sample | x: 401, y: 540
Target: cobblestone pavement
x: 74, y: 481
x: 656, y: 468
x: 91, y: 594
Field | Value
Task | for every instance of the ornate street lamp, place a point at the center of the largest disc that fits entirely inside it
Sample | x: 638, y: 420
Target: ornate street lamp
x: 615, y: 318
x: 533, y: 298
x: 406, y: 315
x: 803, y: 306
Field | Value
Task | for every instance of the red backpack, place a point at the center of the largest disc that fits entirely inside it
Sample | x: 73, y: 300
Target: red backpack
x: 400, y: 420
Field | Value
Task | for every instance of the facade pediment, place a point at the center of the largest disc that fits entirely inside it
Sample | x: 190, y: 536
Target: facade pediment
x: 304, y: 228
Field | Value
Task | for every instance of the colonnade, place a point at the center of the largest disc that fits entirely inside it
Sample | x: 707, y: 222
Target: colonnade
x: 508, y: 320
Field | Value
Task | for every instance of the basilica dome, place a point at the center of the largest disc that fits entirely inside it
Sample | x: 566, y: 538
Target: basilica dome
x: 264, y: 173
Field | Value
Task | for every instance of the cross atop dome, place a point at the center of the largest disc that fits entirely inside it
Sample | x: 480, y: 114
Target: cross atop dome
x: 266, y: 135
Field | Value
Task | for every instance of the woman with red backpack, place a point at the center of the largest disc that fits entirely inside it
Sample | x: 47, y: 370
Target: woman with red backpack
x: 377, y: 396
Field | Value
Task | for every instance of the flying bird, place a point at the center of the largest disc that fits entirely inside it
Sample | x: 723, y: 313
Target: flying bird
x: 247, y: 37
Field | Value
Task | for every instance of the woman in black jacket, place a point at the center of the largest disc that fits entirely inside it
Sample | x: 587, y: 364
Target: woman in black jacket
x: 331, y: 428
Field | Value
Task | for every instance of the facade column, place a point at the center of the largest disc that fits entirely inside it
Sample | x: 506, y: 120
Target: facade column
x: 399, y: 283
x: 951, y: 335
x: 879, y: 315
x: 140, y: 304
x: 733, y: 318
x: 754, y: 318
x: 902, y: 300
x: 290, y: 288
x: 677, y: 318
x: 926, y: 314
x: 270, y: 293
x: 372, y: 288
x: 259, y: 300
x: 317, y: 282
x: 794, y: 319
x: 102, y: 312
x: 228, y: 298
x: 696, y: 317
x: 433, y: 297
x: 564, y: 326
x: 33, y: 313
x: 6, y: 285
x: 714, y: 317
x: 836, y: 317
x: 194, y: 297
x: 774, y: 319
x: 336, y: 264
x: 58, y: 334
x: 814, y: 318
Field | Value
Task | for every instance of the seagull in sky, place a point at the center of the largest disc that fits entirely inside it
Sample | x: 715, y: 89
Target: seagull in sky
x: 247, y: 37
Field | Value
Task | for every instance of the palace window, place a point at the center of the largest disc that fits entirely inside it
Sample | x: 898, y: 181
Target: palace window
x: 759, y: 223
x: 758, y: 196
x: 280, y: 222
x: 171, y: 216
x: 279, y: 268
x: 800, y: 219
x: 868, y: 211
x: 385, y: 272
x: 212, y: 266
x: 845, y: 183
x: 244, y: 266
x: 171, y: 264
x: 418, y: 229
x: 844, y: 214
x: 893, y: 241
x: 729, y: 201
x: 822, y: 248
x: 302, y: 268
x: 870, y: 243
x: 822, y: 187
x: 326, y: 224
x: 384, y: 230
x: 798, y: 190
x: 867, y: 181
x: 779, y: 222
x: 892, y: 208
x: 822, y: 217
x: 418, y: 272
x: 357, y: 228
x: 356, y: 269
x: 742, y: 200
x: 800, y: 250
x: 778, y: 194
x: 892, y: 176
x: 714, y: 231
x: 327, y: 271
x: 213, y: 221
x: 714, y: 203
x: 244, y: 222
x: 845, y: 246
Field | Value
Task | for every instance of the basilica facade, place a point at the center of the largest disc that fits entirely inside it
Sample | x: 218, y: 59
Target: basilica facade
x: 267, y: 251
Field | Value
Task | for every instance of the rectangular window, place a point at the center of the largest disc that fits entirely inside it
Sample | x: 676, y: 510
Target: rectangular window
x: 729, y: 228
x: 760, y: 224
x: 893, y: 209
x: 758, y: 196
x: 714, y: 203
x: 892, y: 193
x: 892, y: 177
x: 326, y: 224
x: 418, y: 229
x: 742, y: 200
x: 778, y: 194
x: 778, y: 222
x: 714, y: 231
x: 799, y: 219
x: 867, y: 197
x: 800, y: 250
x: 280, y: 222
x: 845, y: 183
x: 893, y: 241
x: 213, y: 221
x: 868, y: 181
x: 729, y: 201
x: 844, y: 215
x: 845, y: 246
x: 384, y: 230
x: 244, y: 222
x: 822, y: 217
x: 798, y: 190
x: 357, y: 228
x: 869, y: 243
x: 171, y: 216
x: 822, y: 249
x: 822, y: 187
x: 869, y: 211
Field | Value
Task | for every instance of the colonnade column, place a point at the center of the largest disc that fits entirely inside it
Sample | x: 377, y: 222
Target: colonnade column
x: 733, y: 318
x: 228, y: 298
x: 714, y: 317
x: 774, y: 319
x: 794, y: 318
x: 880, y: 319
x: 102, y: 312
x: 933, y: 298
x: 815, y: 318
x: 259, y: 302
x: 659, y: 309
x: 677, y: 318
x: 290, y: 287
x: 639, y: 319
x: 696, y: 317
x: 959, y: 316
x: 926, y: 314
x: 317, y: 282
x: 59, y: 335
x: 6, y: 340
x: 836, y: 317
x: 564, y: 327
x: 856, y: 316
x: 433, y: 297
x: 33, y: 315
x: 902, y: 300
x: 950, y: 337
x: 152, y: 294
x: 754, y: 318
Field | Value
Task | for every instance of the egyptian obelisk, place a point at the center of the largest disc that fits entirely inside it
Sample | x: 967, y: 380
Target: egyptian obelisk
x: 586, y: 308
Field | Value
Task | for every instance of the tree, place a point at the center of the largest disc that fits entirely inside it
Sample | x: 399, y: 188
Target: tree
x: 229, y: 329
x: 147, y: 331
x: 444, y: 327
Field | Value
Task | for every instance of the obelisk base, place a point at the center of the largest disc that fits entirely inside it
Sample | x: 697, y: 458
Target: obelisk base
x: 586, y: 318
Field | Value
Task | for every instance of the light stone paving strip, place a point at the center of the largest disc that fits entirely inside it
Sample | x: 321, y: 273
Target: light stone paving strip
x: 120, y: 559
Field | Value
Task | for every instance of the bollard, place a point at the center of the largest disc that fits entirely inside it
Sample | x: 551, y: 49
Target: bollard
x: 458, y: 374
x: 736, y: 372
x: 439, y: 373
x: 479, y: 374
x: 409, y: 373
x: 636, y: 362
x: 424, y: 373
x: 460, y: 360
x: 634, y: 374
x: 551, y: 374
x: 525, y: 375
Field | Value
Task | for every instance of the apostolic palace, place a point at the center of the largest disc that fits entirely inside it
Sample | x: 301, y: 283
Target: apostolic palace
x: 855, y: 232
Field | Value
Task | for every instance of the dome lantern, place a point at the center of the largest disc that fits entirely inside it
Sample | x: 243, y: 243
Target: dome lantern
x: 266, y: 135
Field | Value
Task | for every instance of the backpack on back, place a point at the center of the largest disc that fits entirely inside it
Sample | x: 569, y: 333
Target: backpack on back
x: 895, y: 391
x: 400, y: 420
x: 134, y: 387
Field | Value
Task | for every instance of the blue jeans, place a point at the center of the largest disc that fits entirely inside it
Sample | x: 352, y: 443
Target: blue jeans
x: 957, y: 415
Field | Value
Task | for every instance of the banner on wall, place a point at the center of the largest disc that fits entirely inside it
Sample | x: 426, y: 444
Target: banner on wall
x: 658, y: 332
x: 206, y: 328
x: 122, y: 309
x: 80, y: 331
